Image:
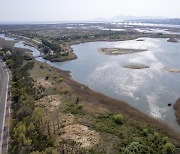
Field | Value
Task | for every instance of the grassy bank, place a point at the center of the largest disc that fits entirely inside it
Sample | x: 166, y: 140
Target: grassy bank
x: 54, y: 114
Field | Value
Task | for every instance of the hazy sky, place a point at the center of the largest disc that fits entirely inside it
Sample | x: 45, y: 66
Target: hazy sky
x: 66, y: 10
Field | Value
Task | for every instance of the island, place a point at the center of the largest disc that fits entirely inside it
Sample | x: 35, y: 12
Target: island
x: 136, y: 66
x: 175, y: 40
x: 173, y: 70
x: 120, y: 51
x: 140, y: 40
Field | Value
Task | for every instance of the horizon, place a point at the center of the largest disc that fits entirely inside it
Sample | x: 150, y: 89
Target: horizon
x: 83, y: 10
x: 95, y: 20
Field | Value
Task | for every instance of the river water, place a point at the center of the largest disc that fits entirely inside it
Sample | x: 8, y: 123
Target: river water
x: 149, y: 90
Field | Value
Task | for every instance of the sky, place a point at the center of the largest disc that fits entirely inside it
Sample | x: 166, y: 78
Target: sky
x: 76, y: 10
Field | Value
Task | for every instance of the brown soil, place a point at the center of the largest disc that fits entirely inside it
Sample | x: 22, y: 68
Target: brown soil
x: 81, y: 134
x: 43, y: 82
x: 177, y: 110
x: 51, y: 102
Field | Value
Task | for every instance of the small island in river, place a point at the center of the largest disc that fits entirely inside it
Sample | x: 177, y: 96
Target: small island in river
x: 120, y: 51
x: 175, y: 40
x: 173, y: 70
x: 136, y: 66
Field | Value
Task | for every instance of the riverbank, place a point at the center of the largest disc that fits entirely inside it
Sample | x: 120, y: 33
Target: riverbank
x: 83, y: 109
x: 177, y: 110
x: 30, y: 53
x: 66, y: 46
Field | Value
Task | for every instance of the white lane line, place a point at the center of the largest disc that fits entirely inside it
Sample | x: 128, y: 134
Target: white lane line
x: 4, y: 111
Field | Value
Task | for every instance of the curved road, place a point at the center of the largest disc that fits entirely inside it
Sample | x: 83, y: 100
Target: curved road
x: 4, y: 79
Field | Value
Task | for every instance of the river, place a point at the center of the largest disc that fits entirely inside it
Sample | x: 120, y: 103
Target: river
x: 149, y: 90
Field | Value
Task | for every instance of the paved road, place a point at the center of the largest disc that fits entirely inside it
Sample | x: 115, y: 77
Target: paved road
x: 3, y: 97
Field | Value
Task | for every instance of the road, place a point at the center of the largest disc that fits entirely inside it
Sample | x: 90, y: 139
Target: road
x: 4, y: 79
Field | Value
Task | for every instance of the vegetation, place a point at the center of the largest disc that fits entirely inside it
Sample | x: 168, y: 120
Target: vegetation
x: 1, y: 54
x: 29, y: 123
x: 119, y: 118
x: 134, y: 138
x: 36, y: 130
x: 53, y: 46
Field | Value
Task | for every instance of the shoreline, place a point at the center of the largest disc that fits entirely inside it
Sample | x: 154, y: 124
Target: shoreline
x: 177, y: 110
x: 35, y: 43
x: 113, y: 104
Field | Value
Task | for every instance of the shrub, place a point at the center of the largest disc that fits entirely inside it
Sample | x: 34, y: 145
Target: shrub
x: 168, y: 148
x: 119, y: 118
x: 56, y: 76
x: 134, y: 148
x: 79, y: 106
x: 41, y: 66
x: 75, y: 109
x: 64, y: 90
x: 145, y: 131
x: 165, y: 139
x: 156, y: 135
x: 47, y: 77
x: 60, y: 80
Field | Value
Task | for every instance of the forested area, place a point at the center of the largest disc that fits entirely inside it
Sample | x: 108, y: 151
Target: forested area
x: 28, y: 123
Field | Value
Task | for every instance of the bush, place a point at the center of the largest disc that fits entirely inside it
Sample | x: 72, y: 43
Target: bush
x: 165, y: 139
x: 145, y: 131
x: 55, y: 77
x: 64, y: 90
x: 75, y: 109
x: 41, y: 66
x: 119, y: 118
x: 47, y: 77
x: 60, y: 80
x: 168, y: 148
x: 156, y: 135
x: 134, y: 148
